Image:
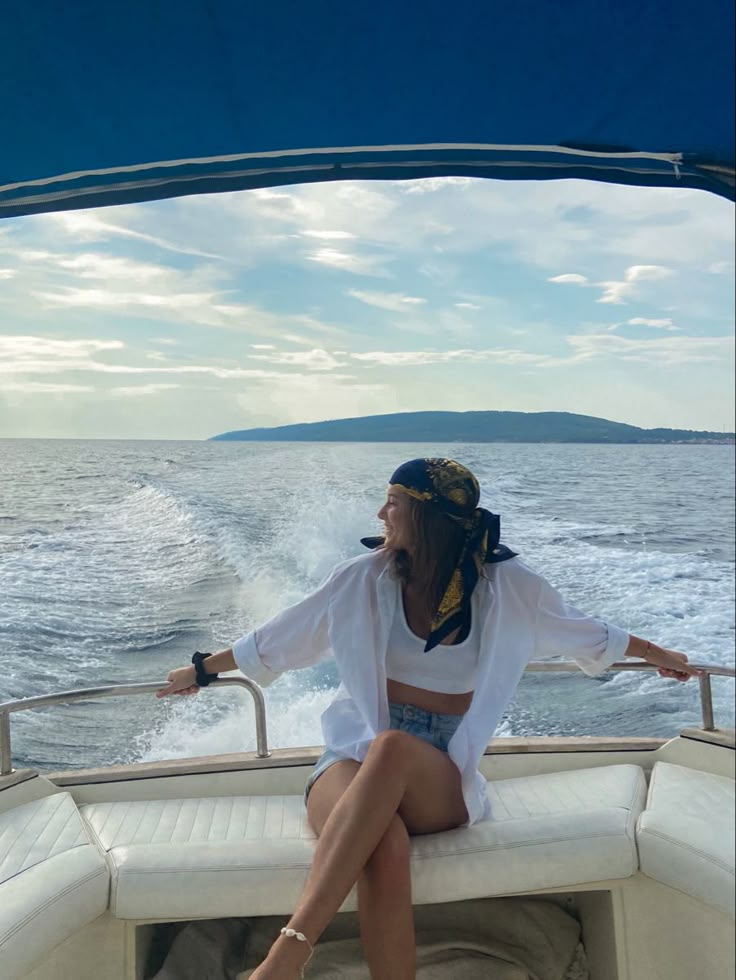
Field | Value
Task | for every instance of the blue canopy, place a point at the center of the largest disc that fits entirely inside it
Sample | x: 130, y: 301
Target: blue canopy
x: 116, y: 102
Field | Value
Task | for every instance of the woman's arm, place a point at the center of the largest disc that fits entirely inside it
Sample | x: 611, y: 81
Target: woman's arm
x: 564, y: 631
x: 670, y: 663
x: 183, y: 680
x: 294, y: 638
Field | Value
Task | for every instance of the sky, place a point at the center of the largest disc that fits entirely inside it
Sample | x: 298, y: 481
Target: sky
x: 182, y: 319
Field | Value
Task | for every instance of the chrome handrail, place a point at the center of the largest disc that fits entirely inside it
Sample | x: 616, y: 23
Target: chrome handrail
x: 122, y: 690
x: 706, y: 672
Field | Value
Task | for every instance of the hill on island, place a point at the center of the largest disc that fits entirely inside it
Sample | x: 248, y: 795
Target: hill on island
x: 473, y: 427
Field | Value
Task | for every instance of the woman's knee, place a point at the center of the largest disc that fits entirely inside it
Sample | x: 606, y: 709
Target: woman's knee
x: 392, y: 748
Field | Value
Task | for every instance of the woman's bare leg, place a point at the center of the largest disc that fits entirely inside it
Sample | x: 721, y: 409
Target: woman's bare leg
x: 384, y: 886
x: 400, y: 774
x: 385, y: 910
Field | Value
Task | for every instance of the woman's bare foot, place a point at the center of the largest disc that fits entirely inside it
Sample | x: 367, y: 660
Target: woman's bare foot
x: 285, y: 961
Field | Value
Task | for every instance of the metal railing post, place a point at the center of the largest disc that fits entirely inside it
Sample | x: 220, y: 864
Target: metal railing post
x: 6, y: 758
x: 706, y: 702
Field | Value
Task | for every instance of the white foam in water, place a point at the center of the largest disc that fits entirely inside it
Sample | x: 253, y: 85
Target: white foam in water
x: 190, y: 731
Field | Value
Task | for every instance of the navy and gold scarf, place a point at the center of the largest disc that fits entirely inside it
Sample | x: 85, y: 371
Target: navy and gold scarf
x: 453, y: 490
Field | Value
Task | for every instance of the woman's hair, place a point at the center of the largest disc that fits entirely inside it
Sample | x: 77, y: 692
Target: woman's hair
x: 437, y: 542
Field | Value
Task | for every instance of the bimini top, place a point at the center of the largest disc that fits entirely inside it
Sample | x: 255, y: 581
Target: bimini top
x: 131, y: 100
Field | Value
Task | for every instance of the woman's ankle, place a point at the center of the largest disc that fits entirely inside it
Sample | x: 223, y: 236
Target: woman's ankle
x: 287, y: 949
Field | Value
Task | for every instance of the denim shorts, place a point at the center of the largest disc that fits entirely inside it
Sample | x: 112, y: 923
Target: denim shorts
x: 436, y: 729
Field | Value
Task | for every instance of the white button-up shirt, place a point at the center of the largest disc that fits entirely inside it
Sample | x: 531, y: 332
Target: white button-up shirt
x: 521, y: 616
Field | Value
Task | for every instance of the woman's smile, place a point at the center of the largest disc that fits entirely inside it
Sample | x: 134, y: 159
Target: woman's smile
x: 394, y: 515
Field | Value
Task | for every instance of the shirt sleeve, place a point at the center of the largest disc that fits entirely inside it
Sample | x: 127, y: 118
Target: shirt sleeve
x: 294, y: 638
x: 564, y: 631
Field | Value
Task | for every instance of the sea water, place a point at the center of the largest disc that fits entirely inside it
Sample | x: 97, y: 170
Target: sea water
x: 119, y: 559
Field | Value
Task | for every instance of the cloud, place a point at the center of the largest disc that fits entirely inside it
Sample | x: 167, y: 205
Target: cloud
x: 315, y: 397
x: 395, y: 302
x: 467, y: 306
x: 642, y: 321
x: 722, y: 268
x: 328, y: 235
x: 204, y: 308
x: 91, y: 265
x: 638, y: 273
x: 347, y: 262
x: 44, y: 388
x: 18, y: 349
x: 71, y: 296
x: 24, y: 355
x: 283, y: 205
x: 664, y: 351
x: 263, y: 347
x: 312, y: 360
x: 35, y: 255
x: 135, y: 390
x: 8, y: 273
x: 430, y: 185
x: 89, y: 226
x: 418, y: 358
x: 618, y: 291
x: 570, y: 277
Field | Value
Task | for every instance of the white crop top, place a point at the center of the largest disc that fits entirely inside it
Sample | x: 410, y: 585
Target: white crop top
x: 445, y: 669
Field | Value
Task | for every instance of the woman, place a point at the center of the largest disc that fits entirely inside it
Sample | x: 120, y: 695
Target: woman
x: 431, y: 633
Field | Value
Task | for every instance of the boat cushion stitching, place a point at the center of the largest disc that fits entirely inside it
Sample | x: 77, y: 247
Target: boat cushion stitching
x: 123, y: 870
x: 635, y: 814
x: 689, y: 847
x: 138, y: 825
x: 213, y: 814
x: 50, y: 901
x: 107, y: 817
x: 162, y: 814
x: 462, y: 850
x: 50, y: 849
x: 106, y: 856
x: 37, y: 815
x: 92, y: 814
x: 507, y: 845
x: 300, y: 823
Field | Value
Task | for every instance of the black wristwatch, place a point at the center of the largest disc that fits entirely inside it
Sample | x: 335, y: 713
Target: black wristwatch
x: 203, y: 679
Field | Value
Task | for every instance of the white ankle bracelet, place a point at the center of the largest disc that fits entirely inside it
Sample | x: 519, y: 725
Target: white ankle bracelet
x: 293, y: 934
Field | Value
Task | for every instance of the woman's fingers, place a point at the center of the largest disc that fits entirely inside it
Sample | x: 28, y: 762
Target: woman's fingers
x: 672, y: 664
x: 179, y: 682
x: 171, y: 689
x: 678, y: 675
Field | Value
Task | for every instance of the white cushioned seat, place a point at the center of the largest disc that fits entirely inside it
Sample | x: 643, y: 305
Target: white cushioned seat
x: 237, y: 856
x: 686, y: 833
x: 53, y: 881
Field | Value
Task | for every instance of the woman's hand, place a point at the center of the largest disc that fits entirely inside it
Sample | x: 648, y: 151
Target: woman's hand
x: 181, y: 681
x: 671, y: 664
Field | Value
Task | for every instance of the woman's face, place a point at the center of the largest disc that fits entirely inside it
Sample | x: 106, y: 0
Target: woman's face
x: 396, y: 517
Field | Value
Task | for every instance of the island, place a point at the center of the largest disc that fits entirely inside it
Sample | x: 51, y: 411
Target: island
x: 474, y: 427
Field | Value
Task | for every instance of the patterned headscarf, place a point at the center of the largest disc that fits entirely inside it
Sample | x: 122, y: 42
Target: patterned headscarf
x: 453, y: 490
